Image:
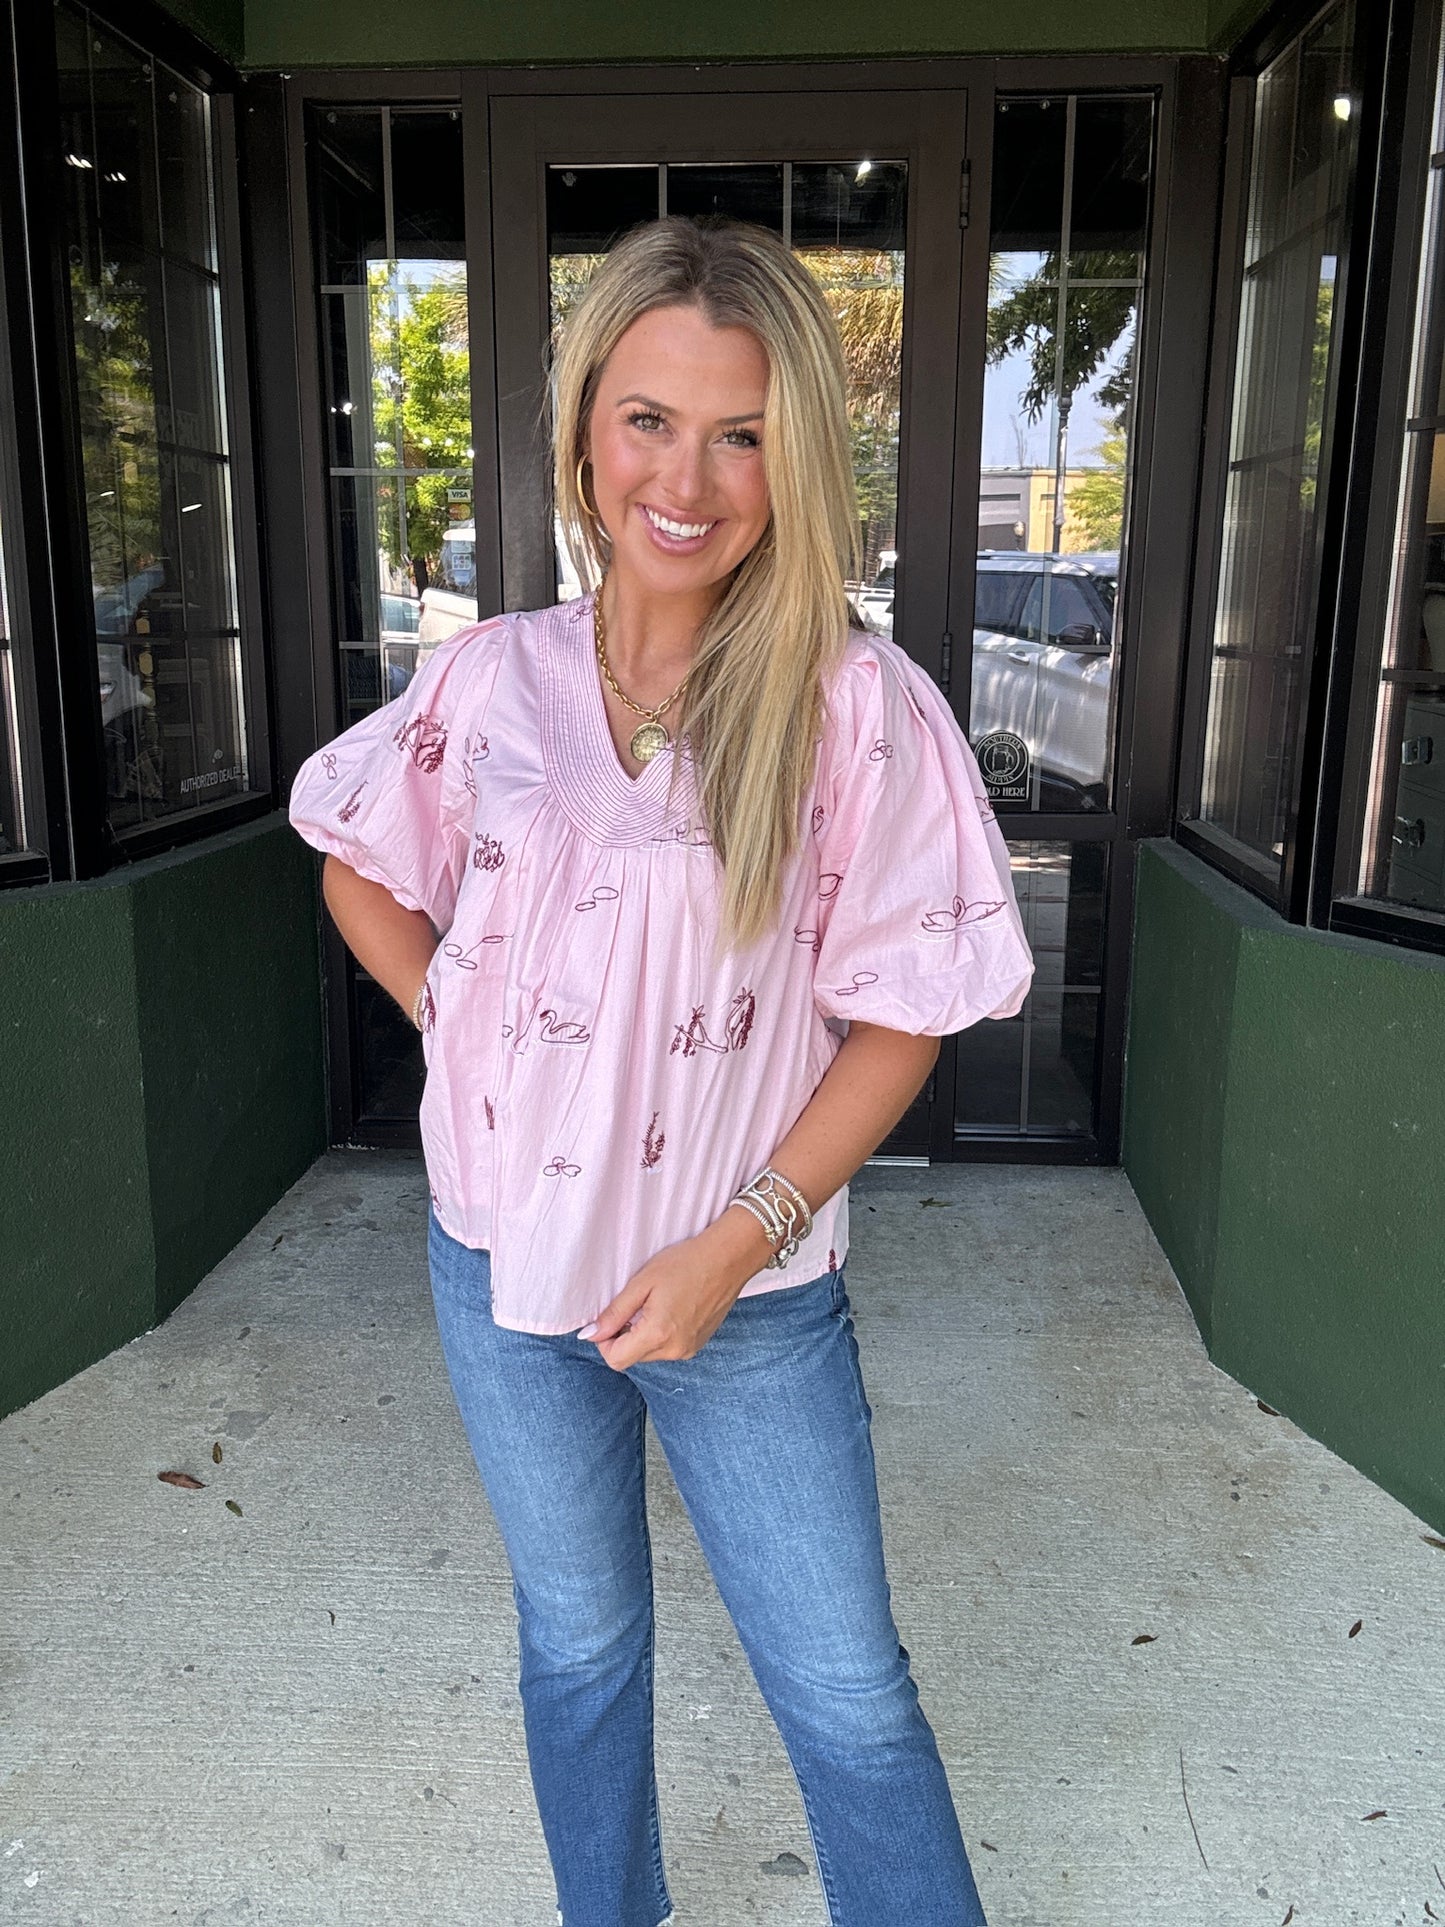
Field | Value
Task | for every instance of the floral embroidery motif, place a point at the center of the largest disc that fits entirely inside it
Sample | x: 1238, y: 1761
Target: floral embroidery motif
x: 428, y: 1008
x: 879, y: 751
x: 692, y: 1036
x: 652, y: 1143
x: 602, y: 893
x: 328, y: 763
x: 489, y: 854
x: 832, y: 1259
x: 559, y: 1167
x: 809, y: 937
x: 941, y: 923
x: 463, y: 959
x: 861, y: 980
x: 426, y: 738
x: 828, y: 885
x: 352, y: 804
x: 491, y: 1114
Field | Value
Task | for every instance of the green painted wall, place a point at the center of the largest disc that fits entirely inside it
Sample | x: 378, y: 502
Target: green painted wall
x: 1284, y: 1120
x: 161, y: 1086
x: 315, y: 33
x: 220, y: 23
x: 268, y: 34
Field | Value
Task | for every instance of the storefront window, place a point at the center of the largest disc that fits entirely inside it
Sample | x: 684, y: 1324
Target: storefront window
x: 140, y: 227
x: 1303, y: 169
x: 1403, y: 856
x: 1066, y: 271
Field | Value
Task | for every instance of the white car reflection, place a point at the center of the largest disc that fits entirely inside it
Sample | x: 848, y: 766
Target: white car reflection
x: 1043, y: 665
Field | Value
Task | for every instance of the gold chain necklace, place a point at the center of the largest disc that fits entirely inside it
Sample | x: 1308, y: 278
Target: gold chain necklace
x: 649, y: 736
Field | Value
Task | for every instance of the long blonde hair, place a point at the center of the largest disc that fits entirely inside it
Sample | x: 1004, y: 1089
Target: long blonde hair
x: 753, y: 706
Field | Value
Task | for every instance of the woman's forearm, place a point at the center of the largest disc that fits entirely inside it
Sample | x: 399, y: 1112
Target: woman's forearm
x: 394, y: 945
x: 871, y: 1082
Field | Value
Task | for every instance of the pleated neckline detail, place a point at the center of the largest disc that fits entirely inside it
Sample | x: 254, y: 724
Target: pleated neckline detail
x: 594, y: 790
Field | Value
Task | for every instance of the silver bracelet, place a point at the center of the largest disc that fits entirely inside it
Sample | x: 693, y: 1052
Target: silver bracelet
x: 777, y: 1212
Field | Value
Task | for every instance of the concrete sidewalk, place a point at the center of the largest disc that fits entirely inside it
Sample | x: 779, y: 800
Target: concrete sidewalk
x: 306, y: 1712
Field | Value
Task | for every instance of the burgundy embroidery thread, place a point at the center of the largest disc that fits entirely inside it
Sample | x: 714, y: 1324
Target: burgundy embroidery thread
x: 489, y: 854
x: 351, y: 805
x: 652, y: 1143
x: 426, y: 738
x: 559, y: 1167
x: 939, y: 923
x: 692, y: 1036
x: 861, y: 979
x: 491, y: 1115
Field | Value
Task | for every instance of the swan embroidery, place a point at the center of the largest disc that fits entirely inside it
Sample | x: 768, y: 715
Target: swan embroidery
x: 426, y: 738
x: 652, y: 1143
x: 555, y: 1030
x: 559, y: 1167
x: 489, y: 854
x: 692, y: 1036
x: 939, y: 923
x: 352, y: 804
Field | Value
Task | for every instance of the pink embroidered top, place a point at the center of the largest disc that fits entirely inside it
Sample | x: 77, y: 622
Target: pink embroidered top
x: 596, y: 1087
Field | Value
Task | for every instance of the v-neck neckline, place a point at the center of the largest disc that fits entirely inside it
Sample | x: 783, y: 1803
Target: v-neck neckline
x: 597, y: 709
x: 597, y: 793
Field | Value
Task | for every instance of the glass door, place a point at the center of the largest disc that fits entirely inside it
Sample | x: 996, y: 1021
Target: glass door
x: 863, y: 188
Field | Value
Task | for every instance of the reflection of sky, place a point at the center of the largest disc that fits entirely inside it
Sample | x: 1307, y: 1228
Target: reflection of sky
x: 1010, y: 439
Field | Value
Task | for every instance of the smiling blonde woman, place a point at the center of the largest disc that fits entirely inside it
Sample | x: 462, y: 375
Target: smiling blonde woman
x: 682, y: 882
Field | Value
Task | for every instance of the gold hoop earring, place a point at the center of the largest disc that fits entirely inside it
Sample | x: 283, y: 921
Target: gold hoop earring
x: 582, y: 493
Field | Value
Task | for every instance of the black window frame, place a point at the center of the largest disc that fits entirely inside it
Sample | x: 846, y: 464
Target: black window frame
x: 1395, y: 60
x: 60, y: 744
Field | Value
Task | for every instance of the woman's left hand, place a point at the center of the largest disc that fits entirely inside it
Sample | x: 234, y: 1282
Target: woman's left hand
x: 672, y: 1307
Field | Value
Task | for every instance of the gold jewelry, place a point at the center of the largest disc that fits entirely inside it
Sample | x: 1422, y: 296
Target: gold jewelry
x: 650, y: 736
x: 582, y: 494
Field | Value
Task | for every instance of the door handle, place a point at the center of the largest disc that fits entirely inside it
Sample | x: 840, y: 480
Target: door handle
x: 1019, y: 655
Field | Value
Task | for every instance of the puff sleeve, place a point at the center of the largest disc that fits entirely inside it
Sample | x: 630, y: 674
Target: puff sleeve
x: 918, y: 925
x: 393, y: 795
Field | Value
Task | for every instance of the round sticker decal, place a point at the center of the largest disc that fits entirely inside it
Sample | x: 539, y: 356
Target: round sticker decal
x: 1003, y: 763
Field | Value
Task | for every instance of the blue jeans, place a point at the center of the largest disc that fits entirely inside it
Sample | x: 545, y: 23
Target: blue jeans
x: 766, y: 1432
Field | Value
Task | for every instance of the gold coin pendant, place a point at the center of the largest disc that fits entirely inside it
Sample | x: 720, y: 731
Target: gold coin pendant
x: 647, y: 740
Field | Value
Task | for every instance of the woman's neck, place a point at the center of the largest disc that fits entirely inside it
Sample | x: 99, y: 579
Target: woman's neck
x: 651, y: 638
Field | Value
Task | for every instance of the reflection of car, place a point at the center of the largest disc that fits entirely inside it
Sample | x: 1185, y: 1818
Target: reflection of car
x: 121, y: 689
x: 1042, y: 665
x: 874, y: 608
x: 449, y: 602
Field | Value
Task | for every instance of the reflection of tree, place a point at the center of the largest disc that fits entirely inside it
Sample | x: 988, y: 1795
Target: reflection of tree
x: 1024, y: 318
x: 1315, y: 401
x: 421, y: 398
x: 116, y: 392
x: 1096, y: 505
